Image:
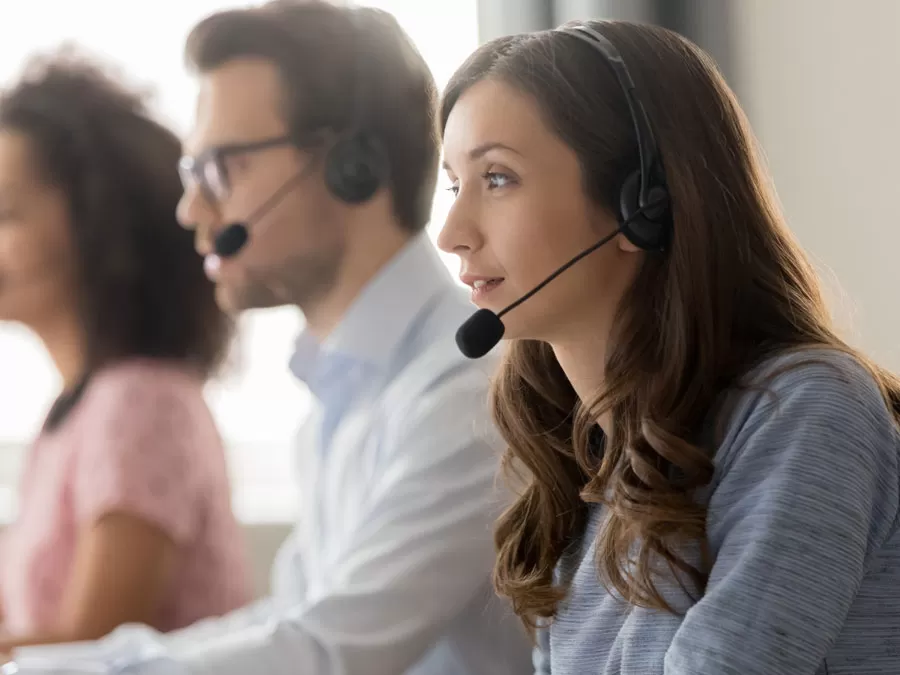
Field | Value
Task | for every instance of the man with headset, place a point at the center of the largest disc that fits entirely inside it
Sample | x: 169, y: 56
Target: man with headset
x: 309, y: 180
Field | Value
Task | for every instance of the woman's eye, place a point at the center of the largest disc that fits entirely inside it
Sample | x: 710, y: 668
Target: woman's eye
x: 496, y: 180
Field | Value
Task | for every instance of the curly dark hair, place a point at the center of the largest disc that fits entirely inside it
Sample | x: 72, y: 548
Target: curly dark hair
x: 141, y: 287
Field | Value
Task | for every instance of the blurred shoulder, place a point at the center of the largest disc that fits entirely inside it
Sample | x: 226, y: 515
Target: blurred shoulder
x: 145, y: 377
x: 156, y: 392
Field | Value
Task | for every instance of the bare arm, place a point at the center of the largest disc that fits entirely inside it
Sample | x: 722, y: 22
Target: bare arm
x: 122, y: 567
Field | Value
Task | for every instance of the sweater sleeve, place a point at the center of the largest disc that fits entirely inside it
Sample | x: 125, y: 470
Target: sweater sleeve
x: 806, y: 493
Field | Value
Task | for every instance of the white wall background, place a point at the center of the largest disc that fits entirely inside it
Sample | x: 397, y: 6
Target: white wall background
x: 820, y: 80
x: 259, y: 404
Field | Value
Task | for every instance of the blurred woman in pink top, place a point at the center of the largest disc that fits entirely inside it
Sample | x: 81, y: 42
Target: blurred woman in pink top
x: 124, y: 509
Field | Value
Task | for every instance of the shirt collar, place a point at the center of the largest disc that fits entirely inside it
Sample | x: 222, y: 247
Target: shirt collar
x: 378, y: 320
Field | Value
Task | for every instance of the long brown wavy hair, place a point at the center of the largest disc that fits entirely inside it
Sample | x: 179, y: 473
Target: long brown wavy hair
x: 734, y: 289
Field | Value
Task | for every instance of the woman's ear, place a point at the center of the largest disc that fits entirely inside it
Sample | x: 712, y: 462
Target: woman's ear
x: 626, y: 245
x: 606, y: 222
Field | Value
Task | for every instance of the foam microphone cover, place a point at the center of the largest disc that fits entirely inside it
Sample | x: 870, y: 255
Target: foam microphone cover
x: 231, y: 240
x: 480, y: 333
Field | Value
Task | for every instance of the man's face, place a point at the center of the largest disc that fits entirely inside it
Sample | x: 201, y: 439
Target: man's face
x: 240, y: 161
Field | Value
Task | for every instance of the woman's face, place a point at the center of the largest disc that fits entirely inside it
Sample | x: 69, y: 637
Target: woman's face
x: 521, y: 212
x: 36, y: 256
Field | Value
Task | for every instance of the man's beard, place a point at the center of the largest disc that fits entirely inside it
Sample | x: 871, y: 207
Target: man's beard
x: 297, y: 280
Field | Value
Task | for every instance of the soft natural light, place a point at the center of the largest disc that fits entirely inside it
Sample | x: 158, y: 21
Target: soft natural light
x: 258, y: 405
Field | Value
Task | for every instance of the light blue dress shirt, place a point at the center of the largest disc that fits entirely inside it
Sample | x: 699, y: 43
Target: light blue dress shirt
x: 387, y: 570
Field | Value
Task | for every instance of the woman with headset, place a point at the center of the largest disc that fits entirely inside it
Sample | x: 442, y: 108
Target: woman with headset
x: 711, y: 472
x: 124, y: 503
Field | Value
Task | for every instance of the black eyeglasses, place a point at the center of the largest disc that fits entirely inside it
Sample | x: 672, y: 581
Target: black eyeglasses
x: 208, y: 171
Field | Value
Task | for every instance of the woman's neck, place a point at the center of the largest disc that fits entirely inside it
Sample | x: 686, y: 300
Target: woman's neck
x: 63, y: 337
x: 583, y: 360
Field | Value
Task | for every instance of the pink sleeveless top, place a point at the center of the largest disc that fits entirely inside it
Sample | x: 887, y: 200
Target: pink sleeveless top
x: 140, y: 441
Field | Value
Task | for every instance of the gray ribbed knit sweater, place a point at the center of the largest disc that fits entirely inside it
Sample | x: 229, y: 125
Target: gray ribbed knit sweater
x: 802, y: 521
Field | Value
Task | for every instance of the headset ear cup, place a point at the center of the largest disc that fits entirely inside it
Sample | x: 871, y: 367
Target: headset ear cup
x: 657, y: 208
x: 646, y: 230
x: 356, y: 168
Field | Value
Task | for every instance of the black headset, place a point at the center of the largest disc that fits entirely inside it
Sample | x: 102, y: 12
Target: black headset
x: 645, y: 216
x: 357, y: 164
